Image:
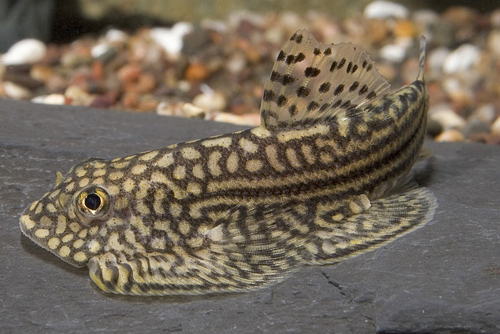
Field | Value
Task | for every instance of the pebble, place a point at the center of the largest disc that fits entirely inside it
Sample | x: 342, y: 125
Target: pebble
x: 248, y: 119
x: 102, y: 102
x: 434, y: 128
x: 393, y: 53
x: 129, y: 72
x: 494, y: 42
x: 146, y: 83
x: 41, y: 72
x: 213, y: 101
x: 475, y: 126
x: 485, y: 138
x: 170, y: 39
x: 447, y: 118
x: 116, y: 36
x: 15, y: 91
x: 378, y: 30
x: 169, y: 109
x: 384, y: 10
x: 56, y: 99
x: 191, y: 111
x: 404, y: 28
x: 436, y: 59
x: 78, y: 96
x: 217, y: 69
x: 461, y: 59
x: 495, y: 127
x: 450, y: 135
x: 196, y: 72
x: 26, y: 51
x: 485, y: 113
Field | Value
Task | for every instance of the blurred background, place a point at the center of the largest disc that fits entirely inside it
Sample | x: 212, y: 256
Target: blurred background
x: 211, y: 59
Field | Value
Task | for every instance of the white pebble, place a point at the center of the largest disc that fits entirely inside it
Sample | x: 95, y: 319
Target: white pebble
x: 50, y: 99
x: 15, y: 91
x: 393, y: 53
x: 236, y: 119
x: 58, y: 99
x: 165, y: 108
x: 27, y: 51
x: 236, y: 63
x: 384, y: 10
x: 116, y: 36
x: 171, y: 39
x: 99, y: 49
x: 192, y: 111
x: 447, y: 118
x: 210, y: 101
x: 461, y: 59
x: 436, y: 59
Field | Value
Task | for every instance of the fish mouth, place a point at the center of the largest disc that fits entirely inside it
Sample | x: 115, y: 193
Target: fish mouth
x: 41, y: 236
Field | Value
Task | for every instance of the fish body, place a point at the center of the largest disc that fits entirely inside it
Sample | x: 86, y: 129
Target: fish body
x: 325, y: 177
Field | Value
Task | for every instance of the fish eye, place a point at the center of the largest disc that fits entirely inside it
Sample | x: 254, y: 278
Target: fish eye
x: 93, y: 202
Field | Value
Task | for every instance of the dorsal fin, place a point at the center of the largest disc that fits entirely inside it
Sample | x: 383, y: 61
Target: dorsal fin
x: 312, y: 82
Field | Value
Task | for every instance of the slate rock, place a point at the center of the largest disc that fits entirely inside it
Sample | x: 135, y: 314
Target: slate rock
x: 442, y: 278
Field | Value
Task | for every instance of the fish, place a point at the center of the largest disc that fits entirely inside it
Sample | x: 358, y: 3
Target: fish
x: 326, y: 176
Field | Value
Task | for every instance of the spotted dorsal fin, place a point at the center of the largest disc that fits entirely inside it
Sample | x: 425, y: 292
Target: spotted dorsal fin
x: 312, y: 82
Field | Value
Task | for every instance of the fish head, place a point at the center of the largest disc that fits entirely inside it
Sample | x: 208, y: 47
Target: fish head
x: 82, y: 216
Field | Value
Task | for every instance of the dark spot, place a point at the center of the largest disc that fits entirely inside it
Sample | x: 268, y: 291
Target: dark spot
x: 334, y: 66
x: 346, y: 104
x: 313, y: 105
x: 324, y: 107
x: 289, y: 59
x: 339, y: 89
x: 327, y: 52
x: 268, y: 95
x: 371, y: 95
x: 281, y: 56
x: 281, y: 100
x: 354, y: 68
x: 363, y: 90
x: 364, y: 64
x: 341, y: 64
x: 92, y: 201
x: 349, y: 66
x: 275, y: 76
x: 303, y: 91
x: 325, y: 87
x: 354, y: 86
x: 311, y: 72
x: 292, y: 109
x: 369, y: 68
x: 336, y: 104
x: 300, y: 57
x: 293, y: 37
x: 287, y: 79
x: 299, y: 38
x: 317, y: 51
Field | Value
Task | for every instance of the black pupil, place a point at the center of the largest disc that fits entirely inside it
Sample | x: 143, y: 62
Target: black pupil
x: 92, y: 201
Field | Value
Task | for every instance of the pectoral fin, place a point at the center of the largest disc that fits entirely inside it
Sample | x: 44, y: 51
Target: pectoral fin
x: 387, y: 219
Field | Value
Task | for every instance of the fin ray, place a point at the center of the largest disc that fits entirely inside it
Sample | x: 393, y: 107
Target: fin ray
x: 387, y: 219
x: 311, y: 81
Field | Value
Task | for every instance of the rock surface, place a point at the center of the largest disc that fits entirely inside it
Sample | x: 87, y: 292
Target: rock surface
x: 442, y: 278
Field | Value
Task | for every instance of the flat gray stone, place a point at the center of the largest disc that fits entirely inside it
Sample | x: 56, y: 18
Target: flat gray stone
x: 442, y: 278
